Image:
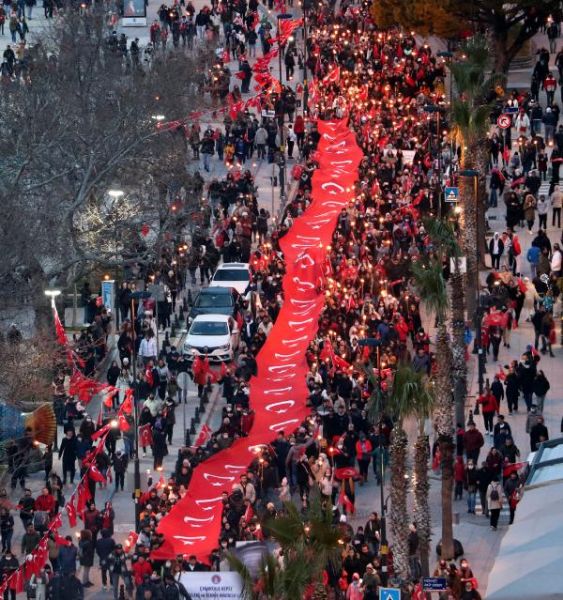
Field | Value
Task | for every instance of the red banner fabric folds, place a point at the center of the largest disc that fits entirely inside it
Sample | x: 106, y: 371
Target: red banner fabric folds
x: 278, y: 394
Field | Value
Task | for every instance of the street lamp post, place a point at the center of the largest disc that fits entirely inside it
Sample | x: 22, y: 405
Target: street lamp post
x: 281, y: 164
x: 137, y: 471
x: 384, y: 549
x: 53, y: 294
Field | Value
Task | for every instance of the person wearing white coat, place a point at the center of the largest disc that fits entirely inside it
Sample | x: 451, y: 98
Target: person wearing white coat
x: 148, y: 350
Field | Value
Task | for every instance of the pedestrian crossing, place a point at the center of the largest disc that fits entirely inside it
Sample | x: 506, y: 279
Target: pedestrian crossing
x: 544, y: 189
x: 479, y: 507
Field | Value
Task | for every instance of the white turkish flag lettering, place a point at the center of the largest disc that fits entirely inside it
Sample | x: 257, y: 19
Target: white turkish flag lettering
x: 270, y: 407
x: 220, y: 478
x: 278, y: 391
x: 197, y: 522
x: 282, y: 368
x: 190, y: 540
x: 282, y: 424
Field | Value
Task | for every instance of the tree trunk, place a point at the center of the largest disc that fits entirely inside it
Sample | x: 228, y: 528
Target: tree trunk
x: 421, y: 507
x: 446, y: 450
x: 399, y: 513
x: 444, y: 415
x: 482, y: 157
x: 459, y: 364
x: 499, y: 44
x: 468, y: 224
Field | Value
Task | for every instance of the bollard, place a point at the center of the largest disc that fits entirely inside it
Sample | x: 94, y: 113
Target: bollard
x: 185, y: 302
x: 187, y: 438
x: 192, y: 427
x: 201, y: 406
x: 189, y: 300
x: 181, y: 316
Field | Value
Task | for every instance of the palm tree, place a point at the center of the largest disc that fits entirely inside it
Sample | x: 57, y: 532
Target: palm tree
x: 431, y: 287
x: 308, y: 548
x: 470, y: 121
x: 412, y: 396
x: 399, y: 406
x: 444, y: 237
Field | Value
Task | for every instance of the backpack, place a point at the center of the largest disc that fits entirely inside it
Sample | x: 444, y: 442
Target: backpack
x: 494, y: 495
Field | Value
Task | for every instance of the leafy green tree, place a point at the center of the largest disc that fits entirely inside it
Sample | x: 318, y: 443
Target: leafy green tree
x: 309, y: 545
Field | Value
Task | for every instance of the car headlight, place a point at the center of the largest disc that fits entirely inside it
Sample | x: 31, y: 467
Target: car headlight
x: 188, y: 348
x: 224, y: 347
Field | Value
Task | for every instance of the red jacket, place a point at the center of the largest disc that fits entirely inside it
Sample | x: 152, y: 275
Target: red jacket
x: 473, y: 440
x: 140, y: 570
x: 363, y: 449
x: 459, y: 469
x: 45, y: 503
x: 489, y: 403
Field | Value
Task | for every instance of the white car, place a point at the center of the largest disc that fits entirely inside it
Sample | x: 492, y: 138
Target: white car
x: 216, y: 335
x: 235, y: 275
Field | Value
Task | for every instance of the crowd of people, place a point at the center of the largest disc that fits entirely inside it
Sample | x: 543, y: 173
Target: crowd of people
x: 381, y: 81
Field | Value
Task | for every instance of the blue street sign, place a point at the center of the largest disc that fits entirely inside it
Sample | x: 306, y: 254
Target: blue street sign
x: 510, y: 110
x: 434, y: 584
x: 108, y: 294
x: 451, y: 194
x: 389, y: 594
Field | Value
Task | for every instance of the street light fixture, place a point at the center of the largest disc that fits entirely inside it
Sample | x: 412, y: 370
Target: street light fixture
x: 116, y: 193
x: 52, y: 294
x: 158, y: 117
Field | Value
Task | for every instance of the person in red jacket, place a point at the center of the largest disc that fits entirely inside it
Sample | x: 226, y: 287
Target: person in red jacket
x: 46, y: 503
x: 473, y: 441
x: 363, y: 454
x: 549, y: 85
x: 490, y: 407
x: 459, y: 477
x: 200, y: 372
x: 140, y: 568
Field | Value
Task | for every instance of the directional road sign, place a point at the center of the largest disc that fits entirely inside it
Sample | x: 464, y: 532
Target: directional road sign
x: 504, y: 121
x: 389, y: 594
x: 434, y: 584
x: 451, y: 194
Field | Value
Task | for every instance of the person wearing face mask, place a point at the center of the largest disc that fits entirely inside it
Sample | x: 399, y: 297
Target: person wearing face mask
x: 8, y: 565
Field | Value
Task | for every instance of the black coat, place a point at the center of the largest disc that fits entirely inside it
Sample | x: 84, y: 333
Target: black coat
x: 86, y: 553
x: 67, y: 450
